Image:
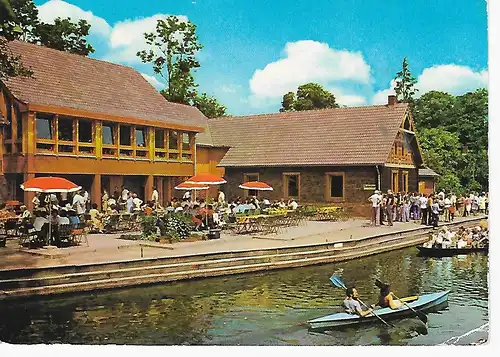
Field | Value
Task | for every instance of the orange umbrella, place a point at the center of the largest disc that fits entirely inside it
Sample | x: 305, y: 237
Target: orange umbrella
x: 191, y: 186
x: 50, y: 185
x: 256, y: 185
x: 206, y: 179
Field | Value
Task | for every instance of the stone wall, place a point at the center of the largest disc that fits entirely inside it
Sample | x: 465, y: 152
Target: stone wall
x: 312, y: 184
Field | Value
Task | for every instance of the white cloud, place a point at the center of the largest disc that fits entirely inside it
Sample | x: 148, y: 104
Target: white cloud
x: 343, y: 98
x: 153, y: 81
x: 308, y: 61
x: 53, y: 9
x: 451, y: 78
x: 380, y: 96
x: 229, y: 88
x: 127, y: 38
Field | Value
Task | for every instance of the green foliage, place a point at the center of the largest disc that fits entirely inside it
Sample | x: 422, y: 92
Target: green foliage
x: 26, y: 18
x: 449, y: 182
x: 176, y: 226
x: 210, y: 106
x: 64, y: 35
x: 172, y: 52
x: 453, y: 132
x: 405, y: 83
x: 10, y: 65
x: 309, y: 96
x: 149, y: 230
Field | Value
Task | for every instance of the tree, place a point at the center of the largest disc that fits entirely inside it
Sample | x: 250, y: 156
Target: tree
x: 64, y: 35
x: 10, y: 65
x: 434, y: 109
x: 405, y: 83
x: 172, y: 51
x: 210, y: 106
x: 309, y: 96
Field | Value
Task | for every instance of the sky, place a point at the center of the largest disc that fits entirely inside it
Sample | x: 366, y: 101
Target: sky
x: 256, y: 51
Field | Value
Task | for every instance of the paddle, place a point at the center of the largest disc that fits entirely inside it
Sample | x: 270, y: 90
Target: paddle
x: 419, y: 314
x: 339, y: 284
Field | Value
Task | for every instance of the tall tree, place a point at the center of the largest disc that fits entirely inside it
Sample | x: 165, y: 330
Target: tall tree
x: 26, y: 17
x: 172, y: 51
x: 405, y: 83
x: 210, y: 106
x: 309, y: 96
x: 10, y: 65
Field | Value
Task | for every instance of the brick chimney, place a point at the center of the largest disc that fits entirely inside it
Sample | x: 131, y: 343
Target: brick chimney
x: 392, y: 99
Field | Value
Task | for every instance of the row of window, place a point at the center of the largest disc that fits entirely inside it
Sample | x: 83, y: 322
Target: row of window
x: 291, y: 185
x: 77, y: 136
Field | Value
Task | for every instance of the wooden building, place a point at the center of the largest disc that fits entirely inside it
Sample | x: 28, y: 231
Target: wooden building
x: 333, y: 155
x: 101, y: 125
x: 427, y: 180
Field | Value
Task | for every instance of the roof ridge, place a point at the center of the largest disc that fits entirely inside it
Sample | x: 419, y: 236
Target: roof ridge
x: 310, y: 111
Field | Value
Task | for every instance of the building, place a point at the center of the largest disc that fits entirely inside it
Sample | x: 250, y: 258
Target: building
x: 427, y: 180
x: 99, y: 124
x: 332, y: 155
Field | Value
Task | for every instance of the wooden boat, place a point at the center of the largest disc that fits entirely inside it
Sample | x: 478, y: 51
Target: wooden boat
x: 448, y: 252
x: 423, y: 303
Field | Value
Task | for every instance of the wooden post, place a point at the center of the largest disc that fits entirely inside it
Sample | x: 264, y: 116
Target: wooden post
x: 13, y: 124
x: 30, y: 134
x: 98, y: 138
x: 28, y: 196
x: 95, y: 191
x: 148, y: 188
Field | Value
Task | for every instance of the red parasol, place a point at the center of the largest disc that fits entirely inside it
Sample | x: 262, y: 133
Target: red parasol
x: 50, y: 185
x: 191, y: 186
x: 206, y: 179
x: 256, y: 185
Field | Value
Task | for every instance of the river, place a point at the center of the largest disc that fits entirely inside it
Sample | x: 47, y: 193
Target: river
x: 268, y: 308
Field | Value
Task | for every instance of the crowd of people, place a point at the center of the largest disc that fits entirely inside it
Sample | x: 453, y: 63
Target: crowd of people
x: 428, y: 209
x: 463, y: 238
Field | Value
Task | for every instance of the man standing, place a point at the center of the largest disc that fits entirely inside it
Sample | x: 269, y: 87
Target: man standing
x: 423, y: 208
x: 390, y: 207
x: 375, y: 200
x: 79, y: 203
x: 130, y: 203
x: 125, y: 193
x: 155, y: 197
x: 221, y: 199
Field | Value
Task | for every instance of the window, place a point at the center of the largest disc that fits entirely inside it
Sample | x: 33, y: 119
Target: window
x: 19, y: 120
x: 8, y: 129
x: 125, y: 134
x: 108, y: 134
x: 249, y: 178
x: 85, y: 131
x: 335, y: 185
x: 140, y: 137
x: 65, y: 129
x: 186, y: 145
x: 44, y: 126
x: 291, y: 184
x: 159, y: 139
x: 173, y: 140
x: 395, y: 181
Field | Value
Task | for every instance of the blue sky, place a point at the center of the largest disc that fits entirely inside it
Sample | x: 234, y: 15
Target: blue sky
x: 255, y: 51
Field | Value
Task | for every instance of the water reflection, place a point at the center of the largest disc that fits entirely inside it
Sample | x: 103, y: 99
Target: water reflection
x: 259, y: 309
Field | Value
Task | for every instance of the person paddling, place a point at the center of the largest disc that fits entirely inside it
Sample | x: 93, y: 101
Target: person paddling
x: 386, y: 298
x: 352, y: 305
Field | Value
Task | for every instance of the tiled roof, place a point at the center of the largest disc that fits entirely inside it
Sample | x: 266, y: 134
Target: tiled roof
x: 341, y: 136
x: 68, y: 80
x: 427, y: 172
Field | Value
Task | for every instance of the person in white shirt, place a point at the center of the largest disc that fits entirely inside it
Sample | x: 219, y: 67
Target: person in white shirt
x: 86, y: 197
x: 40, y: 220
x: 79, y: 203
x: 155, y: 196
x: 293, y: 205
x: 447, y: 205
x: 63, y: 217
x: 221, y: 199
x: 375, y: 199
x: 125, y: 193
x: 423, y: 208
x: 266, y: 203
x: 137, y: 202
x: 187, y: 196
x: 282, y: 203
x: 36, y: 200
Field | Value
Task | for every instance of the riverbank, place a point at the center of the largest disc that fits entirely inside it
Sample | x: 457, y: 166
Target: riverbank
x: 109, y: 262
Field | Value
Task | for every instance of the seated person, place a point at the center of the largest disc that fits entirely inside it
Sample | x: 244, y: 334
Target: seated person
x: 386, y: 298
x: 40, y: 220
x: 96, y: 218
x: 25, y: 214
x: 63, y: 217
x: 266, y: 203
x: 293, y: 205
x: 73, y: 217
x: 352, y: 305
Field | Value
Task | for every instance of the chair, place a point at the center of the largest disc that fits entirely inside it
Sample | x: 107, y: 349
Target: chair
x: 11, y: 227
x: 65, y: 233
x: 79, y: 234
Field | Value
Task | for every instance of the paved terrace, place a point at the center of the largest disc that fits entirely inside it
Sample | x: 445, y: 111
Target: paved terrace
x: 108, y: 247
